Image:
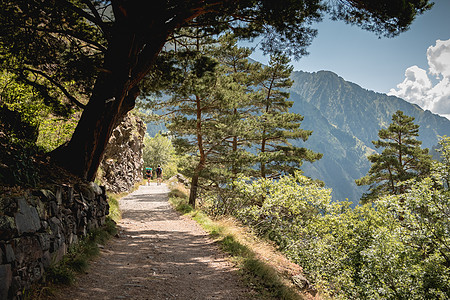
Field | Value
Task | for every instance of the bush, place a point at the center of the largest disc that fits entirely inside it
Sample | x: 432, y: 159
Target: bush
x: 395, y: 249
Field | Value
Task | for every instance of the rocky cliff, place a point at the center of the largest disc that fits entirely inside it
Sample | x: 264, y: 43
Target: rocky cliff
x: 122, y: 164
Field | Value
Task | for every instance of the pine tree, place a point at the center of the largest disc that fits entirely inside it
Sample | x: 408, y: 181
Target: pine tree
x: 274, y: 126
x: 402, y: 159
x: 197, y: 107
x: 225, y: 107
x: 238, y: 89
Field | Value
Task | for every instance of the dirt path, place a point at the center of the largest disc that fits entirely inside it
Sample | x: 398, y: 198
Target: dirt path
x: 159, y: 255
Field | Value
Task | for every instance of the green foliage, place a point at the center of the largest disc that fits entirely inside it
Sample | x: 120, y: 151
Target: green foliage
x: 331, y: 249
x: 443, y: 168
x: 20, y: 97
x: 181, y: 205
x: 27, y: 117
x: 273, y: 126
x: 55, y: 131
x: 230, y: 245
x: 23, y: 117
x: 160, y: 151
x: 114, y: 211
x: 397, y: 248
x: 420, y: 255
x: 20, y: 109
x: 280, y: 209
x: 237, y: 80
x: 18, y: 165
x: 60, y: 274
x: 177, y: 193
x: 179, y: 200
x: 23, y: 167
x: 198, y: 109
x: 55, y: 60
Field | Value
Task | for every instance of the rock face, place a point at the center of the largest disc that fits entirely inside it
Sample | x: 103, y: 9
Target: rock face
x: 37, y: 229
x: 122, y: 164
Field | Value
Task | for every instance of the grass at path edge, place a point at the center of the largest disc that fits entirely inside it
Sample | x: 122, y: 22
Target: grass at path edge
x: 258, y: 275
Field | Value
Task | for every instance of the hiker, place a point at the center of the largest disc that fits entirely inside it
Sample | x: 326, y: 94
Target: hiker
x: 159, y: 174
x: 149, y: 174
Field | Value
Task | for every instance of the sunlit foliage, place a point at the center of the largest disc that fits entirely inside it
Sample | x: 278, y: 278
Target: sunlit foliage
x: 396, y: 248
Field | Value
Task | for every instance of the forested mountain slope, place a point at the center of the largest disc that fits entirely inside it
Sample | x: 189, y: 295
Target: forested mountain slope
x: 346, y: 119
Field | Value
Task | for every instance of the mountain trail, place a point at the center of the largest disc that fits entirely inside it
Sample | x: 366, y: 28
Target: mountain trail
x: 158, y: 255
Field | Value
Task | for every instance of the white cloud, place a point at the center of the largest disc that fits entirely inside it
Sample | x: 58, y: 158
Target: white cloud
x: 441, y: 95
x: 439, y: 58
x: 417, y: 87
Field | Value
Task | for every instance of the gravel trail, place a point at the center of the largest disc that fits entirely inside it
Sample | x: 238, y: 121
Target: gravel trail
x: 159, y: 255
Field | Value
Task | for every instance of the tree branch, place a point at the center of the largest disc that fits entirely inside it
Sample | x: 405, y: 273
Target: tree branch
x: 97, y: 16
x: 59, y: 86
x: 95, y: 45
x: 83, y: 13
x: 146, y: 55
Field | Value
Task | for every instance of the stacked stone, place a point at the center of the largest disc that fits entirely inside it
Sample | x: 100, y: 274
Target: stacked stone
x: 38, y: 228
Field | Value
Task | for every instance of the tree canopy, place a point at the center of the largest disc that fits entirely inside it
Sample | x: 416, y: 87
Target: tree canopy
x: 93, y: 54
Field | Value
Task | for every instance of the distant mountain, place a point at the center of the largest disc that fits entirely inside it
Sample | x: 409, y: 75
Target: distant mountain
x: 346, y: 119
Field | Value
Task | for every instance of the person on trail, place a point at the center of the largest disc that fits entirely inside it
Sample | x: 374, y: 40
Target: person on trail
x: 159, y: 174
x: 149, y: 174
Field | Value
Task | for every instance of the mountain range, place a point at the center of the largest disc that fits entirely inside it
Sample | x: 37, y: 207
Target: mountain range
x: 345, y: 119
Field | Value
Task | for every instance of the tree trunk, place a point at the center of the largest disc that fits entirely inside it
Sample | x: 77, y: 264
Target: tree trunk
x: 139, y: 33
x: 194, y: 187
x: 201, y: 150
x: 194, y: 182
x: 262, y: 168
x: 114, y: 95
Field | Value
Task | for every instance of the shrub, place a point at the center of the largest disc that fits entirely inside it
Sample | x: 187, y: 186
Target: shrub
x: 395, y: 249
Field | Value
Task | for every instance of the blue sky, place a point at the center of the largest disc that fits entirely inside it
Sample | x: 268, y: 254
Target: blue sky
x: 381, y: 64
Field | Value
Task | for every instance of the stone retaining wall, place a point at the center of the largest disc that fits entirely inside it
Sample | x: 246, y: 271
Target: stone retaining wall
x: 37, y: 229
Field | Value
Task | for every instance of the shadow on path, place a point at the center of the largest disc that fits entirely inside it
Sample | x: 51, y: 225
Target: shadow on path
x: 159, y: 255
